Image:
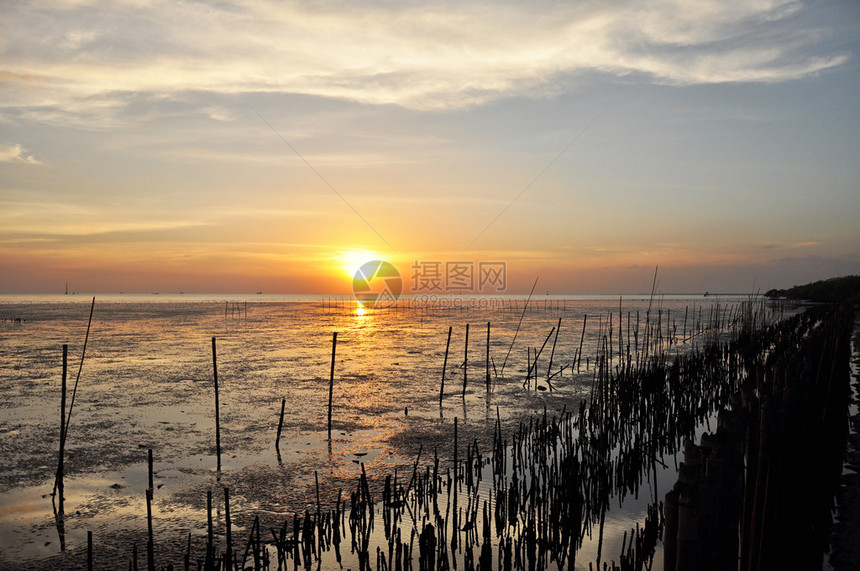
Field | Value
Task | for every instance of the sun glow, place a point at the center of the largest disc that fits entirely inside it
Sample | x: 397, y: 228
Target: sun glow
x: 360, y: 311
x: 351, y: 260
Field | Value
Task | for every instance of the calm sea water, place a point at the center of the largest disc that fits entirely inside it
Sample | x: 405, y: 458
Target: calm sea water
x: 147, y: 382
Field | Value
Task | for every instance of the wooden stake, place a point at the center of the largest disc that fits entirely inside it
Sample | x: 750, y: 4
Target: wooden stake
x: 331, y: 380
x: 466, y: 361
x: 581, y: 339
x: 280, y: 426
x: 60, y: 468
x: 445, y: 366
x: 505, y: 362
x: 80, y: 369
x: 217, y: 407
x: 552, y: 353
x: 488, y: 356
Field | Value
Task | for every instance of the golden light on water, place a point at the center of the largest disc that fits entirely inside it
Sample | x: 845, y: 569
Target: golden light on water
x: 360, y: 311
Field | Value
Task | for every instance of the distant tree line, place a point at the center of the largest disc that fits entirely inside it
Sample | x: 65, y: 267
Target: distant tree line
x: 846, y: 288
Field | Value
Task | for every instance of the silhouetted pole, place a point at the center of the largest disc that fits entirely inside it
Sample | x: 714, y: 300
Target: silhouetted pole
x: 488, y: 356
x: 445, y: 366
x: 525, y: 305
x: 331, y: 380
x: 217, y: 407
x: 280, y: 426
x: 551, y: 355
x: 60, y: 468
x: 581, y: 339
x: 466, y: 361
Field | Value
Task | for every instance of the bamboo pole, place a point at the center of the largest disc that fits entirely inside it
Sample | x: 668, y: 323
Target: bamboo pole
x: 488, y: 356
x: 217, y: 407
x: 465, y: 360
x: 280, y: 426
x: 67, y: 418
x: 445, y: 366
x: 80, y: 369
x: 581, y: 339
x: 331, y: 381
x: 525, y: 305
x: 552, y: 353
x: 58, y: 482
x: 537, y: 353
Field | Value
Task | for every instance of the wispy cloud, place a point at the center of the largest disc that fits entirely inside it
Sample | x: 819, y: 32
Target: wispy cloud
x: 9, y: 76
x: 790, y: 245
x: 416, y: 56
x: 17, y: 154
x: 340, y: 160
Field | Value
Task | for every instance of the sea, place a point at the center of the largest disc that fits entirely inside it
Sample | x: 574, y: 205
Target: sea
x: 140, y: 376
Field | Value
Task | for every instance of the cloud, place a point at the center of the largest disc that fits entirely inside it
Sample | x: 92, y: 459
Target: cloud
x: 790, y: 245
x: 286, y: 156
x: 17, y: 154
x: 418, y: 56
x: 9, y: 76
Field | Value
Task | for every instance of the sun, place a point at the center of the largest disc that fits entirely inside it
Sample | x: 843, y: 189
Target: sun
x: 351, y: 260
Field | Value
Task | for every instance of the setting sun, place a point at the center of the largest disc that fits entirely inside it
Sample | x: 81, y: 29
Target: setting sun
x: 351, y: 260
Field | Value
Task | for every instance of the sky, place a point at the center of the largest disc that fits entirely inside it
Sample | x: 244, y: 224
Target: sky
x: 243, y: 146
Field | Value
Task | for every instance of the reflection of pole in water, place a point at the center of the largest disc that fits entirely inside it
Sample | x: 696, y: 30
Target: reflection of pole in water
x: 210, y: 543
x: 228, y: 555
x: 150, y: 544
